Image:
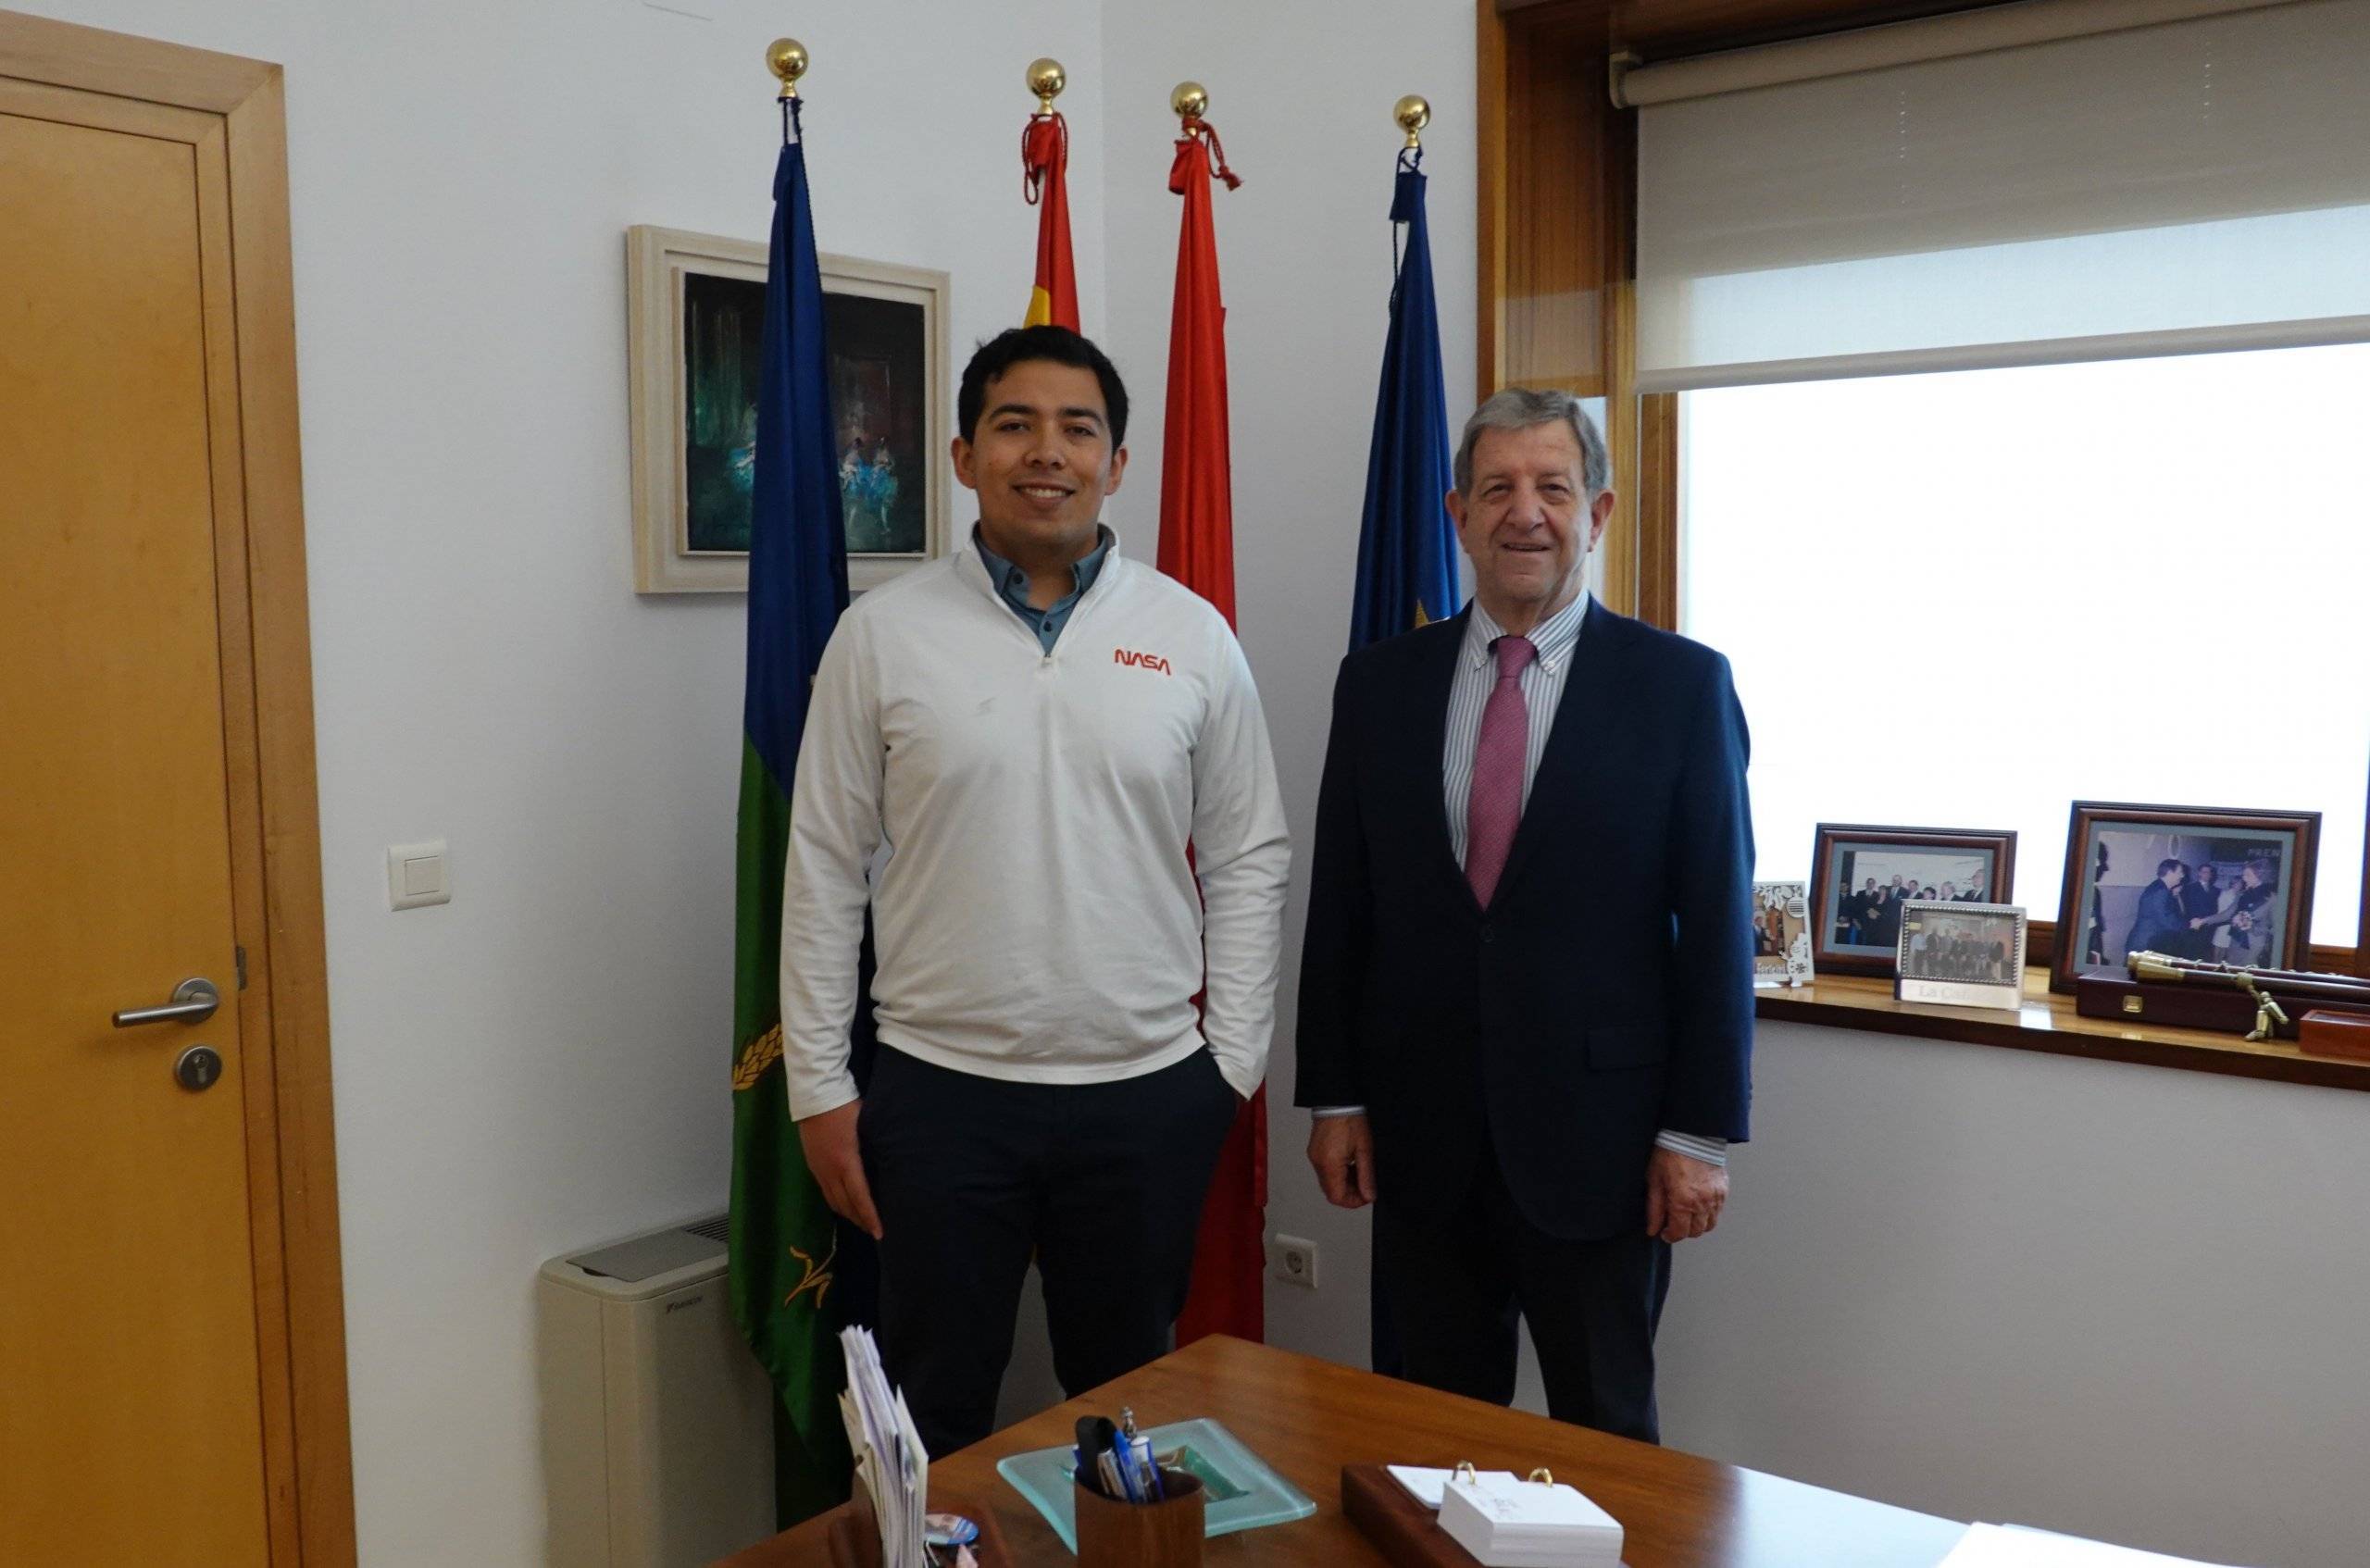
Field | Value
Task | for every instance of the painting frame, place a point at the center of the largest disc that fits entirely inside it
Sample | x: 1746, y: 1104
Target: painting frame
x: 2088, y: 818
x: 659, y: 263
x: 1835, y: 839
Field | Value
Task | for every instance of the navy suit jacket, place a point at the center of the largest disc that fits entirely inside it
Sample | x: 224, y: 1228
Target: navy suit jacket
x: 2160, y: 916
x: 1608, y: 991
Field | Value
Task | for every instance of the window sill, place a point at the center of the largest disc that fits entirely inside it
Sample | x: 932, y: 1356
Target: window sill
x: 2048, y: 1022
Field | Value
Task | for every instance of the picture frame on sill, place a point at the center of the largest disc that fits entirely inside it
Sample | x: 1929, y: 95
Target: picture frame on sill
x: 2221, y: 885
x: 1781, y: 938
x: 695, y: 313
x: 1863, y: 875
x: 1960, y: 954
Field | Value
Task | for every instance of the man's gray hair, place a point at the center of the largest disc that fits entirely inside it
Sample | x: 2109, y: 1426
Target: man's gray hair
x: 1521, y: 408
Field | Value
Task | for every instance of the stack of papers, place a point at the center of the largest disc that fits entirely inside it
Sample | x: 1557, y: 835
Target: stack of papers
x: 890, y: 1464
x: 1510, y: 1523
x: 2016, y: 1545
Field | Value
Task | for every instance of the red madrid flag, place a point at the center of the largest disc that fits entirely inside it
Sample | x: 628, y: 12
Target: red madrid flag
x: 1044, y: 180
x: 1197, y: 549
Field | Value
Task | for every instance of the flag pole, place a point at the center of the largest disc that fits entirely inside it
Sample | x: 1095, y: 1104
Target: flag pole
x: 795, y: 1274
x: 786, y: 57
x: 1045, y: 184
x: 1407, y: 573
x: 1197, y: 549
x: 1413, y: 113
x: 1046, y: 79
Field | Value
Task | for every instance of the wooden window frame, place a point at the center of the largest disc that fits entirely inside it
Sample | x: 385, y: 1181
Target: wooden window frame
x: 300, y: 1301
x: 1556, y: 211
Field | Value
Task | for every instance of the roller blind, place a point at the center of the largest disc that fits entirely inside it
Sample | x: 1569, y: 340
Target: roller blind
x: 2178, y: 188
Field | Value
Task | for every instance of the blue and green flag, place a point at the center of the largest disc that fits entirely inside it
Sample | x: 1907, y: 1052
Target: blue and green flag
x: 787, y: 1262
x: 1406, y: 547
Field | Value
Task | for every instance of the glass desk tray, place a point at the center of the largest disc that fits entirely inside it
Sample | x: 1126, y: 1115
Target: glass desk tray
x: 1242, y: 1492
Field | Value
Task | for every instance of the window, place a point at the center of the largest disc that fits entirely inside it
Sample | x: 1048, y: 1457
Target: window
x: 1965, y: 599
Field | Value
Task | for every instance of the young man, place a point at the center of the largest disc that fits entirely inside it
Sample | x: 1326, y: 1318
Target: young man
x: 1032, y: 730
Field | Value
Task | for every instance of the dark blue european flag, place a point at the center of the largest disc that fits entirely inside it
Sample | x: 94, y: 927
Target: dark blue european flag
x: 1406, y: 547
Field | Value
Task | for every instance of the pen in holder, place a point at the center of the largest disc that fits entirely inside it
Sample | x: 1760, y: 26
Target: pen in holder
x: 1112, y: 1532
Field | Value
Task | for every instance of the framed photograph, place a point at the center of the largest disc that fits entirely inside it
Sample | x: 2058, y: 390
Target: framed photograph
x: 696, y: 309
x: 2221, y: 886
x: 1960, y: 955
x: 1781, y: 935
x: 1862, y: 878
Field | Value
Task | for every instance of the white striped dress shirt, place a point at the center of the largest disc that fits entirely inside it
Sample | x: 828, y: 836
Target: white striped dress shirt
x: 1542, y: 691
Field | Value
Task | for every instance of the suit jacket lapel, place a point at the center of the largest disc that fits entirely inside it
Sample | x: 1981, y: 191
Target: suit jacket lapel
x: 1440, y: 680
x: 1576, y: 739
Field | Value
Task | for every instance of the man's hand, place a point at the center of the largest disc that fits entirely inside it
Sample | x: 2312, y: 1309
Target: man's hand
x: 829, y: 1142
x: 1683, y: 1196
x: 1342, y: 1148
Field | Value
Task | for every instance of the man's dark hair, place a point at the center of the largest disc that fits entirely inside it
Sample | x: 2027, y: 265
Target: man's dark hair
x: 2164, y: 865
x: 1058, y: 345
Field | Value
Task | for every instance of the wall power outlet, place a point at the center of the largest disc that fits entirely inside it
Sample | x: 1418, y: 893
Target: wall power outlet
x: 1296, y: 1260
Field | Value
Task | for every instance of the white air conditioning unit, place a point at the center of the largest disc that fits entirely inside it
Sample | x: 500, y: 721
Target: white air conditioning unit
x: 658, y: 1437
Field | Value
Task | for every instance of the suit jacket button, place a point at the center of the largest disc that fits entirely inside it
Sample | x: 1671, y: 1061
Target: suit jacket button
x: 1488, y: 935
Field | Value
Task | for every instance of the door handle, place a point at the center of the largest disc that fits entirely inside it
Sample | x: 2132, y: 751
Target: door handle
x: 194, y: 1002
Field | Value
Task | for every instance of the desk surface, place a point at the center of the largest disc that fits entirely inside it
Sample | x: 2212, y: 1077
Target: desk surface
x: 1308, y: 1418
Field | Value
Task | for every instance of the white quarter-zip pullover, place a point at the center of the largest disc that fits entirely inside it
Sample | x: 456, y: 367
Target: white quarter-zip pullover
x: 1035, y: 914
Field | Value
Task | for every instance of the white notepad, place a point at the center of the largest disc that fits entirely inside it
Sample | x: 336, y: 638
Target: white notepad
x: 1509, y: 1524
x: 1424, y: 1485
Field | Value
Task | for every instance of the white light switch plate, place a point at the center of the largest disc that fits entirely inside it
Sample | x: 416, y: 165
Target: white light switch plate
x: 418, y: 874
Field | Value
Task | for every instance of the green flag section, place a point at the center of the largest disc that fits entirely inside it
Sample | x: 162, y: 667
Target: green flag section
x: 788, y: 1294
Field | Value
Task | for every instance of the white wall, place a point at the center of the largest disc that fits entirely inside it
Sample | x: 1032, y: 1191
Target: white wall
x: 543, y: 1063
x: 2111, y: 1299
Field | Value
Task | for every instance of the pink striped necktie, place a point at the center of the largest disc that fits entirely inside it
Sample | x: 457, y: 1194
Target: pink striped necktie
x: 1495, y: 809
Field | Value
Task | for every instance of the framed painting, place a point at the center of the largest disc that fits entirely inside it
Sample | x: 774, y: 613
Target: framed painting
x: 696, y: 305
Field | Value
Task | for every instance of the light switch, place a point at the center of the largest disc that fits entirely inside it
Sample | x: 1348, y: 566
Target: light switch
x: 417, y: 874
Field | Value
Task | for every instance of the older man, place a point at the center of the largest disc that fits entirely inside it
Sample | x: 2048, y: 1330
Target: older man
x: 1534, y: 1087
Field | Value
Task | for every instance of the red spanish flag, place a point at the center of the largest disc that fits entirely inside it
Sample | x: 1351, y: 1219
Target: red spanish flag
x: 1045, y: 164
x: 1197, y: 549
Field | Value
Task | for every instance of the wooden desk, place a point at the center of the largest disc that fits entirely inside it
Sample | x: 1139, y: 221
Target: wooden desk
x: 1308, y: 1418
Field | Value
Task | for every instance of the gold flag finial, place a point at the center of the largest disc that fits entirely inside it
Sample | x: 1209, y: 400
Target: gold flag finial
x: 786, y: 57
x: 1412, y: 114
x: 1046, y: 79
x: 1190, y: 101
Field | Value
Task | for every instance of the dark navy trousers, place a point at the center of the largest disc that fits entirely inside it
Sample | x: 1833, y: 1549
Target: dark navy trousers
x: 1101, y: 1183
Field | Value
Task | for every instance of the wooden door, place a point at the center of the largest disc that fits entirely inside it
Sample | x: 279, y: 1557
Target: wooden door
x: 131, y: 1384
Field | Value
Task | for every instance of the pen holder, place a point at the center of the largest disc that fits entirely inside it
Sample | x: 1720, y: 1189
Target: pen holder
x: 1115, y: 1534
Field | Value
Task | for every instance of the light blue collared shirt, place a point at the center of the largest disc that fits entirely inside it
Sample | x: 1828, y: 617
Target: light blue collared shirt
x: 1012, y: 585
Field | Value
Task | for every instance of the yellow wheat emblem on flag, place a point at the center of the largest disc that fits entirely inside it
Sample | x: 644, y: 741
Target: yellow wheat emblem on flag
x: 762, y: 1053
x: 818, y: 1275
